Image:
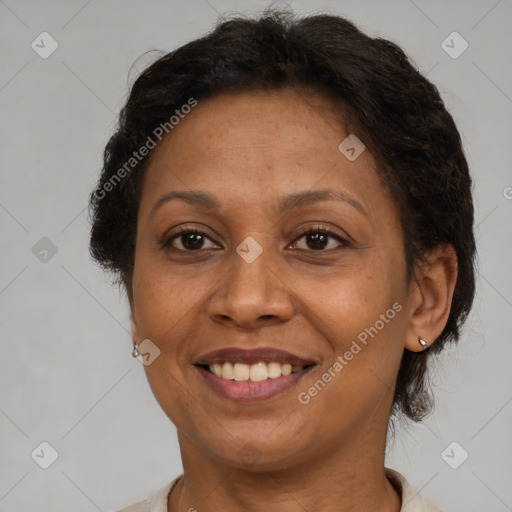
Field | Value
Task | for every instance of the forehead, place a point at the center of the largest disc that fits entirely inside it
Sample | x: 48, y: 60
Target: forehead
x: 257, y: 145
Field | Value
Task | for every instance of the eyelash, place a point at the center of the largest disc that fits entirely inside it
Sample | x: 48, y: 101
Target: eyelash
x: 166, y: 243
x: 323, y: 230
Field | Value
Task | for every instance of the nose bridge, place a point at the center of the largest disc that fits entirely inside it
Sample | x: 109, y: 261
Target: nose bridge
x: 249, y: 272
x: 251, y: 291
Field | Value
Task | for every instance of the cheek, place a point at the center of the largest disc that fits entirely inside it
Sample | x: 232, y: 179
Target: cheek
x: 160, y: 292
x: 355, y: 386
x: 164, y: 305
x: 361, y: 314
x: 348, y: 300
x: 166, y: 313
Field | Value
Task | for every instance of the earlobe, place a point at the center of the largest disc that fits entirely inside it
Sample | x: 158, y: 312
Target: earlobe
x: 431, y: 297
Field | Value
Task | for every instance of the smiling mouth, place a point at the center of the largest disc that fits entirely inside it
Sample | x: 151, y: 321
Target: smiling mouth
x: 243, y: 375
x: 258, y: 372
x: 252, y: 383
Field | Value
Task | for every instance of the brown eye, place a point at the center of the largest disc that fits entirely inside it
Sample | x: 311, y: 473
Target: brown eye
x: 320, y: 239
x: 192, y: 241
x: 317, y: 240
x: 188, y: 240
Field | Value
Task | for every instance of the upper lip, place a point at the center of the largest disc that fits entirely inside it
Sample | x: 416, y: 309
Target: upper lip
x: 252, y: 356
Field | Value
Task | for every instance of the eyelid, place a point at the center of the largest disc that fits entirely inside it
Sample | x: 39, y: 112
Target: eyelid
x: 167, y: 239
x: 319, y: 228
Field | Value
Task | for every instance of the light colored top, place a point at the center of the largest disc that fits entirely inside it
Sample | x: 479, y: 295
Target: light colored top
x: 411, y: 500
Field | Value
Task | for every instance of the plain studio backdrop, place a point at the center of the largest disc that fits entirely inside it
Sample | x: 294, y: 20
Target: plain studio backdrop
x: 67, y: 378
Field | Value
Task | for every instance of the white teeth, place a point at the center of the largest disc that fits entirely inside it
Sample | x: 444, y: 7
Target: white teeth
x: 227, y: 371
x: 258, y: 372
x: 241, y: 371
x: 255, y: 372
x: 274, y: 370
x: 286, y: 369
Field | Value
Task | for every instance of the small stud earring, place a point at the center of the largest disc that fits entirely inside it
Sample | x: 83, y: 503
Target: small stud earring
x: 422, y: 342
x: 135, y: 351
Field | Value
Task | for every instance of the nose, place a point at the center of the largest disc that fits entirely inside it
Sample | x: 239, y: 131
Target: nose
x: 251, y: 295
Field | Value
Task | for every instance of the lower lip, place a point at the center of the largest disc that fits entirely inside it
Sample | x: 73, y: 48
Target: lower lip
x: 247, y: 391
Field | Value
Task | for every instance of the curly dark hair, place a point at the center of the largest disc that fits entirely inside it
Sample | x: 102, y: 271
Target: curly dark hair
x: 392, y: 108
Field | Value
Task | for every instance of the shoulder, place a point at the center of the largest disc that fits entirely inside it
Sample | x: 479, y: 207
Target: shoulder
x: 158, y: 503
x: 412, y: 501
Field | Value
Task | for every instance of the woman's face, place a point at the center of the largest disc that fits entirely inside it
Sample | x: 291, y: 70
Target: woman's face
x: 252, y: 171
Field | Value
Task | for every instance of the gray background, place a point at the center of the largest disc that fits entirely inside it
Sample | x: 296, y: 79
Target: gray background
x: 67, y: 376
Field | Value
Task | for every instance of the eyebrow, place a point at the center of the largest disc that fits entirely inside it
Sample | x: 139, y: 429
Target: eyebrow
x: 193, y: 197
x: 292, y: 202
x: 310, y: 197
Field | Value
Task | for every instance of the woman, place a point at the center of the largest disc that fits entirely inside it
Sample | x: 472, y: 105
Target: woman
x: 287, y: 204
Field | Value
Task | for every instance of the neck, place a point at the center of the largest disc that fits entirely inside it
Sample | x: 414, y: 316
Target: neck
x: 348, y: 478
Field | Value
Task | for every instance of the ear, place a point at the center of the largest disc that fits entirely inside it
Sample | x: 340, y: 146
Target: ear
x: 430, y: 297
